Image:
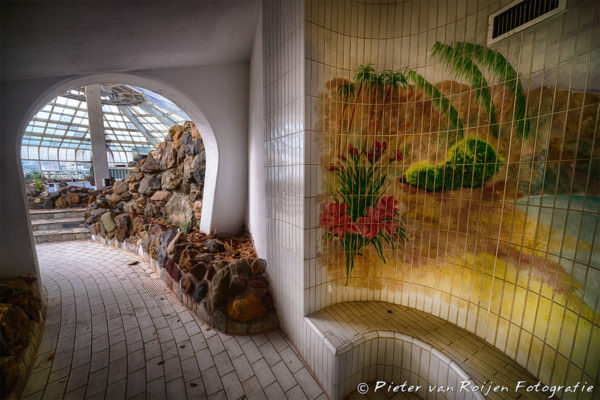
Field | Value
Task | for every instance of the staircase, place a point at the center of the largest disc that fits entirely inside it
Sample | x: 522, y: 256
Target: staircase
x: 58, y: 225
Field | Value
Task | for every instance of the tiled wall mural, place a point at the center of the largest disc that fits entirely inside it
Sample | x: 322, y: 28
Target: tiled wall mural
x: 460, y: 179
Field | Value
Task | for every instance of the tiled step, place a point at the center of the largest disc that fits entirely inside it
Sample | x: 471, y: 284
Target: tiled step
x: 61, y: 235
x: 56, y: 223
x: 57, y: 213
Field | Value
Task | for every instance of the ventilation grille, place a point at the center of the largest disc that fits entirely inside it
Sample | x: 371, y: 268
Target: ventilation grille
x: 520, y: 15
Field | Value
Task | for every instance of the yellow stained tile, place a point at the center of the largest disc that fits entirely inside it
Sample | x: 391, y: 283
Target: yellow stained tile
x: 554, y: 325
x: 574, y: 375
x: 561, y: 365
x: 482, y: 322
x: 507, y: 300
x: 496, y: 297
x: 535, y: 355
x: 518, y: 304
x: 502, y: 334
x: 490, y: 329
x: 592, y: 364
x: 530, y: 311
x: 524, y: 346
x: 567, y: 335
x: 512, y: 342
x: 548, y: 357
x: 541, y: 319
x: 580, y: 346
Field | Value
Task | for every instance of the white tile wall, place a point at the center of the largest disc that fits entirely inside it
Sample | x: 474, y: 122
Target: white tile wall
x: 283, y: 46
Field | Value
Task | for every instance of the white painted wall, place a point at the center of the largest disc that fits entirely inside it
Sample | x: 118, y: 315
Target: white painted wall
x: 215, y: 97
x: 256, y: 218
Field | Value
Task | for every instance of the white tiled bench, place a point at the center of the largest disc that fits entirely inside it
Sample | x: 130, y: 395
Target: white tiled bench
x: 355, y: 342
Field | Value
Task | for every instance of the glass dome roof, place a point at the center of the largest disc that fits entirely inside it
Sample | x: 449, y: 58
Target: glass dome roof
x: 57, y: 143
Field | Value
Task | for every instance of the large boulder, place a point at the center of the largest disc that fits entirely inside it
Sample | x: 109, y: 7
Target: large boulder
x: 198, y: 168
x: 150, y: 184
x: 134, y: 186
x: 200, y: 292
x: 113, y: 198
x: 188, y: 170
x: 152, y: 210
x: 161, y: 195
x: 61, y: 202
x: 180, y: 210
x: 123, y: 222
x: 151, y: 165
x: 188, y: 285
x: 187, y: 258
x: 172, y: 270
x: 198, y: 270
x: 169, y: 157
x: 219, y: 290
x: 73, y: 198
x: 171, y: 179
x: 247, y: 308
x: 120, y: 187
x: 163, y: 243
x: 108, y: 222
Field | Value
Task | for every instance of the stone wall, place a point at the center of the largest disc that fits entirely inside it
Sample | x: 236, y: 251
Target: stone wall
x: 66, y: 197
x: 21, y: 323
x: 156, y: 209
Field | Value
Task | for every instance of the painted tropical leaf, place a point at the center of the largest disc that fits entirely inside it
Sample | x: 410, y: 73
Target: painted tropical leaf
x: 464, y: 68
x: 499, y: 66
x: 439, y: 100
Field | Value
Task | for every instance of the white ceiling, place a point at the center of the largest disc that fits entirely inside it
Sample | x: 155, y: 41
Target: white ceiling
x: 40, y: 39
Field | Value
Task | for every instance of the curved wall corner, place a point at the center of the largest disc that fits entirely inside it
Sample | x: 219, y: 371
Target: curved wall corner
x: 527, y: 290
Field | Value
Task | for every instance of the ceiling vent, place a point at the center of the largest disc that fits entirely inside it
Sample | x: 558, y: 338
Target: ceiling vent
x: 521, y: 14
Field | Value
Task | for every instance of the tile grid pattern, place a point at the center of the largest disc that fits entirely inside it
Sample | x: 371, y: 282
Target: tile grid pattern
x: 369, y: 341
x: 114, y: 330
x: 341, y: 35
x: 283, y: 49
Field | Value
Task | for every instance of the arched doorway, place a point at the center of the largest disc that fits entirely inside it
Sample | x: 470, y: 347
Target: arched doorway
x: 18, y: 253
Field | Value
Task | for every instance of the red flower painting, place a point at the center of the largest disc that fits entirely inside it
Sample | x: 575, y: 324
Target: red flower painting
x: 360, y: 215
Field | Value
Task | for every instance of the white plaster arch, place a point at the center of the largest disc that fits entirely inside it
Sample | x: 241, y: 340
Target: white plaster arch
x: 164, y: 89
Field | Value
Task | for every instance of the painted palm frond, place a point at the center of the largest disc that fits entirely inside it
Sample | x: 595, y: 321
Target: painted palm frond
x: 392, y: 81
x: 439, y: 100
x: 345, y: 90
x: 362, y: 78
x: 364, y: 73
x: 499, y: 66
x: 463, y: 67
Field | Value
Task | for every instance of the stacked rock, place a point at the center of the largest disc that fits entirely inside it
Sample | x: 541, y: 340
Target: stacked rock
x: 21, y: 325
x: 161, y: 193
x: 169, y: 182
x: 231, y: 296
x: 68, y: 196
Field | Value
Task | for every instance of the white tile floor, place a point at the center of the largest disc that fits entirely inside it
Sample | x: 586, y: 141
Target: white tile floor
x: 113, y: 331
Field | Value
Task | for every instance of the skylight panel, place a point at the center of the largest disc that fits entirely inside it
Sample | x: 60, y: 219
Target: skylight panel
x: 73, y: 103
